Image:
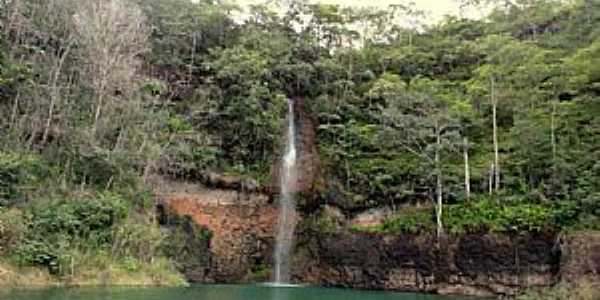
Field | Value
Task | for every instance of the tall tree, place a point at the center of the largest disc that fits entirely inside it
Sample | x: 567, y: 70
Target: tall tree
x: 112, y: 36
x: 418, y: 120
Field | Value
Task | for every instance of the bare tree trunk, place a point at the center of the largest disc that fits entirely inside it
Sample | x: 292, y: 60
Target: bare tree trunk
x: 97, y: 114
x: 467, y: 169
x: 491, y: 180
x: 495, y: 137
x: 193, y: 57
x: 438, y: 185
x: 13, y: 116
x: 553, y: 132
x: 99, y: 104
x: 555, y: 182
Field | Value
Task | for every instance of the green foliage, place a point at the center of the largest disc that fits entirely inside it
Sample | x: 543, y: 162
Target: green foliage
x: 583, y: 66
x: 411, y: 221
x: 183, y: 27
x: 186, y: 242
x: 325, y: 224
x: 478, y: 216
x: 392, y: 116
x: 101, y: 169
x: 18, y: 174
x: 179, y: 125
x: 56, y: 226
x: 13, y: 229
x: 498, y: 215
x: 259, y: 273
x: 137, y: 237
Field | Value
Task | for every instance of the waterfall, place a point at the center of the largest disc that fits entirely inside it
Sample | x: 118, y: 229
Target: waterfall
x: 287, y: 205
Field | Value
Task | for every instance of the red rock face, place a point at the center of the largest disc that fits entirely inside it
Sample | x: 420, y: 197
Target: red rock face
x: 308, y: 159
x: 243, y: 231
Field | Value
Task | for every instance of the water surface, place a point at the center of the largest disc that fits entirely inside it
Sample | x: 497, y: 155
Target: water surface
x: 215, y: 292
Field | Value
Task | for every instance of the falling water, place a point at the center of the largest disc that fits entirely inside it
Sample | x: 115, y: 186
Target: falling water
x: 287, y: 210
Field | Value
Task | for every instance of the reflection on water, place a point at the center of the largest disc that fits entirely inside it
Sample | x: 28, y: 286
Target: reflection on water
x: 215, y: 292
x: 279, y: 294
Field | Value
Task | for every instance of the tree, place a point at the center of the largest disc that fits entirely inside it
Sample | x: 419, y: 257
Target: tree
x: 112, y: 36
x: 496, y: 80
x: 418, y: 121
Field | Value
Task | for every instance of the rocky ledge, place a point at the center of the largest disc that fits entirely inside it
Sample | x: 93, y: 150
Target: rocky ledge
x: 243, y: 226
x: 486, y: 264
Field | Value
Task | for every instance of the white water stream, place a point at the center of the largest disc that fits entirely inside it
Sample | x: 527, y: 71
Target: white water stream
x: 287, y: 205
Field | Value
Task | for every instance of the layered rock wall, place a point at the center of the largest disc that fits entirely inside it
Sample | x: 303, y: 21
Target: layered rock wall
x: 469, y: 264
x: 581, y: 257
x: 244, y: 226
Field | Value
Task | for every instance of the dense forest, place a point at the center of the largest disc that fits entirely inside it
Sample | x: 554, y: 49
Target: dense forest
x: 460, y: 126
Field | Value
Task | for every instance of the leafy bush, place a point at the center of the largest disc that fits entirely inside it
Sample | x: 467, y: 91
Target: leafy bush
x: 13, y: 228
x: 35, y: 252
x: 138, y: 237
x: 498, y: 216
x: 58, y: 226
x: 79, y: 218
x: 410, y: 222
x: 102, y: 169
x: 185, y: 159
x: 17, y: 173
x: 178, y: 124
x: 187, y: 243
x: 478, y: 216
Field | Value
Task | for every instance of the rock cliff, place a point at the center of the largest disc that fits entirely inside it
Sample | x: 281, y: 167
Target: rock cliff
x: 486, y: 264
x: 243, y: 229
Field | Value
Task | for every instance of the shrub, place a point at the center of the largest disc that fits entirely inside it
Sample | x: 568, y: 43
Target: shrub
x: 477, y: 216
x: 13, y: 229
x: 102, y: 169
x: 79, y: 218
x: 17, y: 173
x: 186, y: 243
x: 486, y: 215
x: 138, y: 237
x: 410, y: 222
x: 55, y: 227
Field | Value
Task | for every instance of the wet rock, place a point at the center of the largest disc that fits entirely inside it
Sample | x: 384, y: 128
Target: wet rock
x: 308, y: 173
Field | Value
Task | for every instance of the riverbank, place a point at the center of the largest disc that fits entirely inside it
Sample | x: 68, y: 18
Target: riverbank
x: 22, y: 277
x: 155, y: 274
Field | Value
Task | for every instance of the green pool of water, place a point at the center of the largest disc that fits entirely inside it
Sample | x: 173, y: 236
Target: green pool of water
x: 214, y: 292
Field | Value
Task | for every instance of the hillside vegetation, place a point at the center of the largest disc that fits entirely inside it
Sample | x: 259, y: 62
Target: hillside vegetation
x: 491, y: 124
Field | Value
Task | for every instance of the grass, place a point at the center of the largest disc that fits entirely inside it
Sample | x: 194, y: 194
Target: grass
x: 96, y: 271
x: 11, y: 276
x: 100, y: 269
